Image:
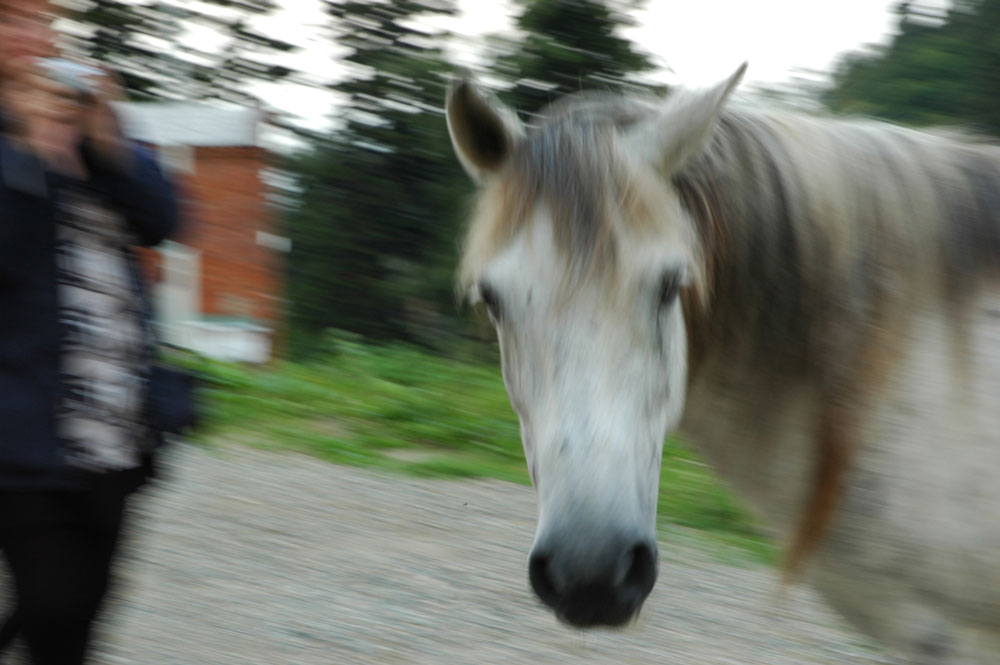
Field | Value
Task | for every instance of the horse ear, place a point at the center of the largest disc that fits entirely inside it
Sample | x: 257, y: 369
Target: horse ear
x: 483, y: 131
x: 681, y: 129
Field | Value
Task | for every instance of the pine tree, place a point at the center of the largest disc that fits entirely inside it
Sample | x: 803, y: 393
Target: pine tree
x: 148, y: 42
x: 937, y: 69
x: 374, y: 232
x: 569, y: 45
x: 376, y: 226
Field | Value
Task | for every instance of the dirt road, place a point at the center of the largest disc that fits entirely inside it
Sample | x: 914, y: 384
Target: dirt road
x: 244, y: 557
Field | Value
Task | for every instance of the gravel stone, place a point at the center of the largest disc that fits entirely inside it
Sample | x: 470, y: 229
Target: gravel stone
x: 242, y: 556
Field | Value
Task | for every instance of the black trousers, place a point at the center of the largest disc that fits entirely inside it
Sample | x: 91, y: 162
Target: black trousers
x: 59, y: 547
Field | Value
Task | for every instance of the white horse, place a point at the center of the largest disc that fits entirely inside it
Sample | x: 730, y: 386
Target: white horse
x: 814, y: 302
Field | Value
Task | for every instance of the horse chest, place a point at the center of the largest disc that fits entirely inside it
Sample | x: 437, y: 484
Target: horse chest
x: 758, y: 437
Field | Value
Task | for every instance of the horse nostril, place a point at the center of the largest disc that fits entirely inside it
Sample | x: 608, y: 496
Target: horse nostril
x: 588, y: 585
x: 540, y: 576
x: 641, y: 572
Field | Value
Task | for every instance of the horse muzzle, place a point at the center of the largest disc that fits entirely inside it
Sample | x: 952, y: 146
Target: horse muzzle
x: 593, y: 580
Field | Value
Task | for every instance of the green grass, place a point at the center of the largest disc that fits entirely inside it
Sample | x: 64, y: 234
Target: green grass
x: 403, y: 409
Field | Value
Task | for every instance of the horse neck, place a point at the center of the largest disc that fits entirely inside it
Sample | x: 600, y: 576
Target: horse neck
x: 753, y: 301
x: 814, y: 268
x: 737, y: 348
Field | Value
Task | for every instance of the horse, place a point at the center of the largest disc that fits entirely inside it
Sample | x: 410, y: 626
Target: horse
x: 813, y: 302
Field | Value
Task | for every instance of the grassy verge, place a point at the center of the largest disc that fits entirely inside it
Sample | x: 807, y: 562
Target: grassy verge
x: 402, y: 409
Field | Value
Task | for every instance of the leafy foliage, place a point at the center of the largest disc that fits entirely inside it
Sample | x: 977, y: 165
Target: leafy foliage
x: 374, y: 232
x: 568, y: 45
x: 935, y: 71
x: 154, y: 45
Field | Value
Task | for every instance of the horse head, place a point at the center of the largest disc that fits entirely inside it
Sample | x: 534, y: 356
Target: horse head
x: 582, y: 252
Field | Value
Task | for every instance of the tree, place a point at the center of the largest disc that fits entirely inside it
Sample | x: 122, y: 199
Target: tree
x: 936, y: 70
x: 172, y: 49
x: 382, y: 200
x: 374, y: 231
x: 568, y: 45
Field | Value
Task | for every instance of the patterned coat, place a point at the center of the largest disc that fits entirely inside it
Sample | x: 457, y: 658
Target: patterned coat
x: 32, y: 383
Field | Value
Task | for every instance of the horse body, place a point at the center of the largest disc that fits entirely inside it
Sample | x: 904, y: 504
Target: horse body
x: 815, y: 303
x: 911, y: 556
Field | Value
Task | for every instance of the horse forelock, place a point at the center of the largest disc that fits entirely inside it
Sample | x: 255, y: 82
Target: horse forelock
x: 572, y: 165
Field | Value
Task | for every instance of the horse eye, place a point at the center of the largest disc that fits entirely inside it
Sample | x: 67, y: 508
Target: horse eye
x: 490, y: 299
x: 670, y: 286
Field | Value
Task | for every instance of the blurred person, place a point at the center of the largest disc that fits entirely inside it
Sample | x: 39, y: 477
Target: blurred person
x: 76, y: 347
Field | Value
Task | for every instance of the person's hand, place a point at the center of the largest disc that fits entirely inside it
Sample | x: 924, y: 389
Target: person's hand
x: 51, y: 119
x: 100, y: 123
x: 44, y: 116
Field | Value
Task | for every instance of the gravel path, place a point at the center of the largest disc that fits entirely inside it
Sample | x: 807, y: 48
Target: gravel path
x: 251, y: 557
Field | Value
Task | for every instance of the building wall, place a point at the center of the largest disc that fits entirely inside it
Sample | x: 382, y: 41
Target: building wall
x: 226, y: 209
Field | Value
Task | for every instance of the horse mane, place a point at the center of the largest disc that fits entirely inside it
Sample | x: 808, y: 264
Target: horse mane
x: 820, y: 236
x: 816, y: 237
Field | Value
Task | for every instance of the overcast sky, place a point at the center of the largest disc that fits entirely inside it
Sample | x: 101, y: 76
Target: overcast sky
x: 696, y: 42
x: 705, y: 40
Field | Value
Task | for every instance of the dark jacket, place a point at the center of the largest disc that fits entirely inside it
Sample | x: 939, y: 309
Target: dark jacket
x: 30, y: 453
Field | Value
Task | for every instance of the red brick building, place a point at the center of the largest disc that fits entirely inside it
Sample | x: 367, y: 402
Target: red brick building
x: 218, y: 285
